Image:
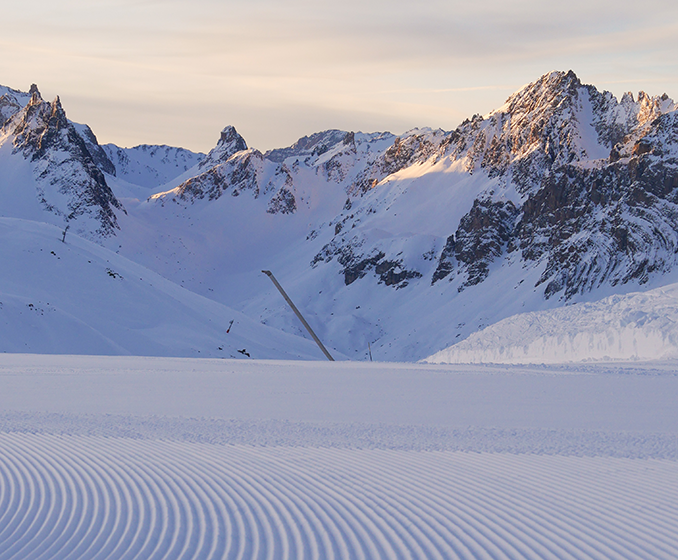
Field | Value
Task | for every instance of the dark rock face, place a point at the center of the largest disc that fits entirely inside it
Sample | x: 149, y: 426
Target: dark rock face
x: 482, y: 236
x: 615, y: 224
x: 404, y: 152
x: 393, y: 273
x: 313, y: 145
x: 390, y: 272
x: 98, y: 154
x: 229, y: 136
x: 64, y: 168
x: 355, y: 265
x: 446, y: 261
x: 240, y: 172
x: 283, y: 202
x: 229, y: 144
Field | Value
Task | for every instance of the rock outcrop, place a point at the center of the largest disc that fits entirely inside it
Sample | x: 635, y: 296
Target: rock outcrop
x: 68, y: 180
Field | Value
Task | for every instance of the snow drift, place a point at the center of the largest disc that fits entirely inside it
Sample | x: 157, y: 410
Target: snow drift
x: 636, y: 326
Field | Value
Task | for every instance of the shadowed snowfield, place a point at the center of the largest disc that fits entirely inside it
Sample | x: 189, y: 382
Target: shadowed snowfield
x: 122, y: 457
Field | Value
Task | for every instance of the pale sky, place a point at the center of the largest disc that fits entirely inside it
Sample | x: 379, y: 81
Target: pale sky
x: 176, y: 72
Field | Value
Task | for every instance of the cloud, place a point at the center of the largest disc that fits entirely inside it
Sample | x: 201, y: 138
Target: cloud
x: 385, y: 62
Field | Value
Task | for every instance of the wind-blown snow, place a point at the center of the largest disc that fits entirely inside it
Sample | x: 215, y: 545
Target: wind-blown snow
x: 637, y: 326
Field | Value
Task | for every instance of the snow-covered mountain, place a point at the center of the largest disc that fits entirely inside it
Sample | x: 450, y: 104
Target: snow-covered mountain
x: 48, y: 171
x: 150, y: 166
x: 636, y: 326
x: 573, y: 180
x: 55, y: 170
x: 410, y: 243
x: 11, y: 102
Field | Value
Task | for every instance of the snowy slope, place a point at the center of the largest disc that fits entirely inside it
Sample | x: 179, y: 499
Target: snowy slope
x: 217, y: 231
x: 127, y: 457
x: 636, y: 326
x: 150, y: 166
x: 79, y: 298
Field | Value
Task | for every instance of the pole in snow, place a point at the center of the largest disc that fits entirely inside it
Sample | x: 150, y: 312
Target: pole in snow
x: 298, y: 314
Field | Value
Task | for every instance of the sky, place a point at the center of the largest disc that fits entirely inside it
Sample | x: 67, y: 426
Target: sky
x: 176, y: 72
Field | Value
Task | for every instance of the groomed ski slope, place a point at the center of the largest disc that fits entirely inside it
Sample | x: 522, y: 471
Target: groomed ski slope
x: 93, y: 497
x: 122, y: 457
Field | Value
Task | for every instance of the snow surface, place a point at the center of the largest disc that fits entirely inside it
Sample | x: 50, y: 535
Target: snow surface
x: 78, y: 297
x: 150, y: 166
x: 636, y: 326
x: 127, y: 457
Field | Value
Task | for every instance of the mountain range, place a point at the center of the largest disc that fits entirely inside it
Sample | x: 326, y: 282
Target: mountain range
x: 399, y: 245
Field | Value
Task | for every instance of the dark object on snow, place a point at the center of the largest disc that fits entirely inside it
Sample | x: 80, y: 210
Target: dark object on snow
x: 244, y: 352
x: 298, y: 314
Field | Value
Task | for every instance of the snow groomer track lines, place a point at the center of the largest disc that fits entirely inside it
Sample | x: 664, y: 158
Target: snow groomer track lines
x: 95, y: 497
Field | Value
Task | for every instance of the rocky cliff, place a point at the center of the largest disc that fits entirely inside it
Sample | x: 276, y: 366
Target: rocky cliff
x: 64, y: 166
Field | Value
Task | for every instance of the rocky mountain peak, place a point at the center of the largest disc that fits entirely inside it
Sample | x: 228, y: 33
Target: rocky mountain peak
x: 314, y: 145
x: 69, y: 184
x: 547, y: 123
x: 229, y: 135
x: 230, y: 142
x: 627, y: 98
x: 58, y: 114
x: 649, y: 108
x: 549, y: 91
x: 38, y: 125
x: 34, y: 92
